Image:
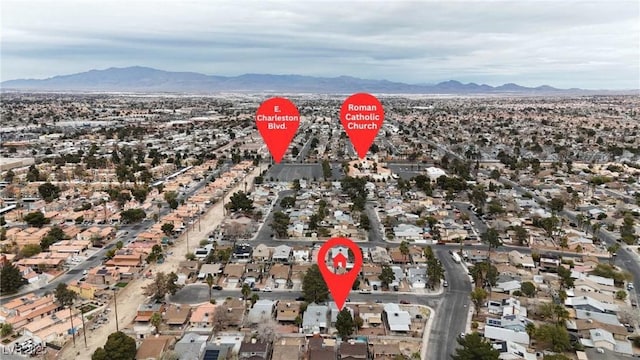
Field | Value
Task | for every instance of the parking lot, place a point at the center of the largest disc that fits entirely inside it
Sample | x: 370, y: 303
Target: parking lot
x: 290, y: 172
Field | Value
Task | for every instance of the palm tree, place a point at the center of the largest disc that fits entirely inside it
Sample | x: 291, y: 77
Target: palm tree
x: 156, y: 320
x: 492, y: 238
x: 209, y: 281
x: 596, y: 229
x: 246, y: 290
x: 531, y: 329
x: 404, y: 249
x: 66, y: 297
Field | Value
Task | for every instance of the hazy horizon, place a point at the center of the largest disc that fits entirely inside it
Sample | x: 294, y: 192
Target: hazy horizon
x: 570, y: 44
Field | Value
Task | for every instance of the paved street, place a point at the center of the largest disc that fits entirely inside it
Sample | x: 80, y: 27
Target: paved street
x: 450, y: 318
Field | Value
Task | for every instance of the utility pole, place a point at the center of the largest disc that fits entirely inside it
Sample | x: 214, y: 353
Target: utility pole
x: 73, y: 331
x: 84, y: 329
x: 115, y: 306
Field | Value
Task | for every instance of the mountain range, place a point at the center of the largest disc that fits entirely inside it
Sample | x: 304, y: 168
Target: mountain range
x: 144, y: 79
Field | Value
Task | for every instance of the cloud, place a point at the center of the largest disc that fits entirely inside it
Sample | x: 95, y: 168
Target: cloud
x: 590, y: 44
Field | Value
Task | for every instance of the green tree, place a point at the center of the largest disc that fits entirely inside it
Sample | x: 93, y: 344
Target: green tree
x: 475, y: 347
x: 6, y: 329
x: 435, y: 272
x: 627, y: 230
x: 240, y: 202
x: 495, y: 208
x: 423, y: 183
x: 54, y: 235
x: 288, y: 202
x: 365, y: 223
x: 119, y: 346
x: 246, y: 291
x: 296, y: 185
x: 210, y: 282
x: 155, y: 254
x: 314, y: 288
x: 158, y: 289
x: 131, y: 216
x: 478, y: 197
x: 167, y: 228
x: 66, y: 297
x: 10, y: 279
x: 36, y: 219
x: 553, y: 313
x: 140, y: 194
x: 156, y: 320
x: 326, y: 169
x: 386, y: 276
x: 280, y: 224
x: 556, y: 205
x: 172, y: 283
x: 8, y: 176
x: 521, y: 235
x: 528, y: 288
x: 30, y: 249
x: 33, y: 174
x: 404, y: 249
x: 566, y: 281
x: 621, y: 295
x: 553, y: 336
x: 344, y: 323
x: 492, y: 238
x: 49, y: 192
x: 478, y: 296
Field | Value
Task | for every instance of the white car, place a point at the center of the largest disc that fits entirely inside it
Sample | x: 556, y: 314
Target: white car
x: 267, y: 289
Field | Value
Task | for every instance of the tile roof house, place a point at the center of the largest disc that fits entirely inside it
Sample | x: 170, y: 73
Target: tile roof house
x: 287, y: 349
x: 176, y: 315
x: 287, y: 311
x: 203, y: 316
x: 386, y: 351
x: 152, y: 348
x: 321, y: 349
x: 351, y: 350
x: 254, y: 350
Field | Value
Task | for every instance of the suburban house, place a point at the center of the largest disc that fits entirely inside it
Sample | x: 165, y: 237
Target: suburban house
x: 398, y: 320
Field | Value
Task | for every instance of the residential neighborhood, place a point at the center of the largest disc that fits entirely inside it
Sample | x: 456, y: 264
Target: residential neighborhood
x: 162, y: 223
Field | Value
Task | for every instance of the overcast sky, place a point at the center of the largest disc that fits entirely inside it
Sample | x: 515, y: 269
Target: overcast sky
x: 587, y: 44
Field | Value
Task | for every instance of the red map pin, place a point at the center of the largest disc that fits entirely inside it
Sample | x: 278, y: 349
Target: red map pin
x: 339, y: 284
x: 277, y: 120
x: 361, y: 116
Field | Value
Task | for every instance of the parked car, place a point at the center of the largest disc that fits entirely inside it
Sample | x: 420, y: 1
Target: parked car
x: 216, y: 287
x: 267, y: 289
x: 445, y: 283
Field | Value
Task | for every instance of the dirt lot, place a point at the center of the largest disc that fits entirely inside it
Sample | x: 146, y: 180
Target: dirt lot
x: 133, y: 294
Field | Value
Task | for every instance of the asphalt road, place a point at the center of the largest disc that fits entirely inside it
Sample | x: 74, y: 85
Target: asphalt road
x: 450, y: 318
x: 376, y: 231
x: 265, y: 234
x: 96, y: 259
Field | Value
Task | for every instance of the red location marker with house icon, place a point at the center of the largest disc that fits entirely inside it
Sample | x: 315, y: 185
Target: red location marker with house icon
x: 339, y: 284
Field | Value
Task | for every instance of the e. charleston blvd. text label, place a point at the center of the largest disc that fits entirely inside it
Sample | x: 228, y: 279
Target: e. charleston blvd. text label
x: 277, y: 120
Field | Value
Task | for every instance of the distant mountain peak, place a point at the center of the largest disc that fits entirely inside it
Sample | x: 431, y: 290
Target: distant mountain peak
x: 146, y: 79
